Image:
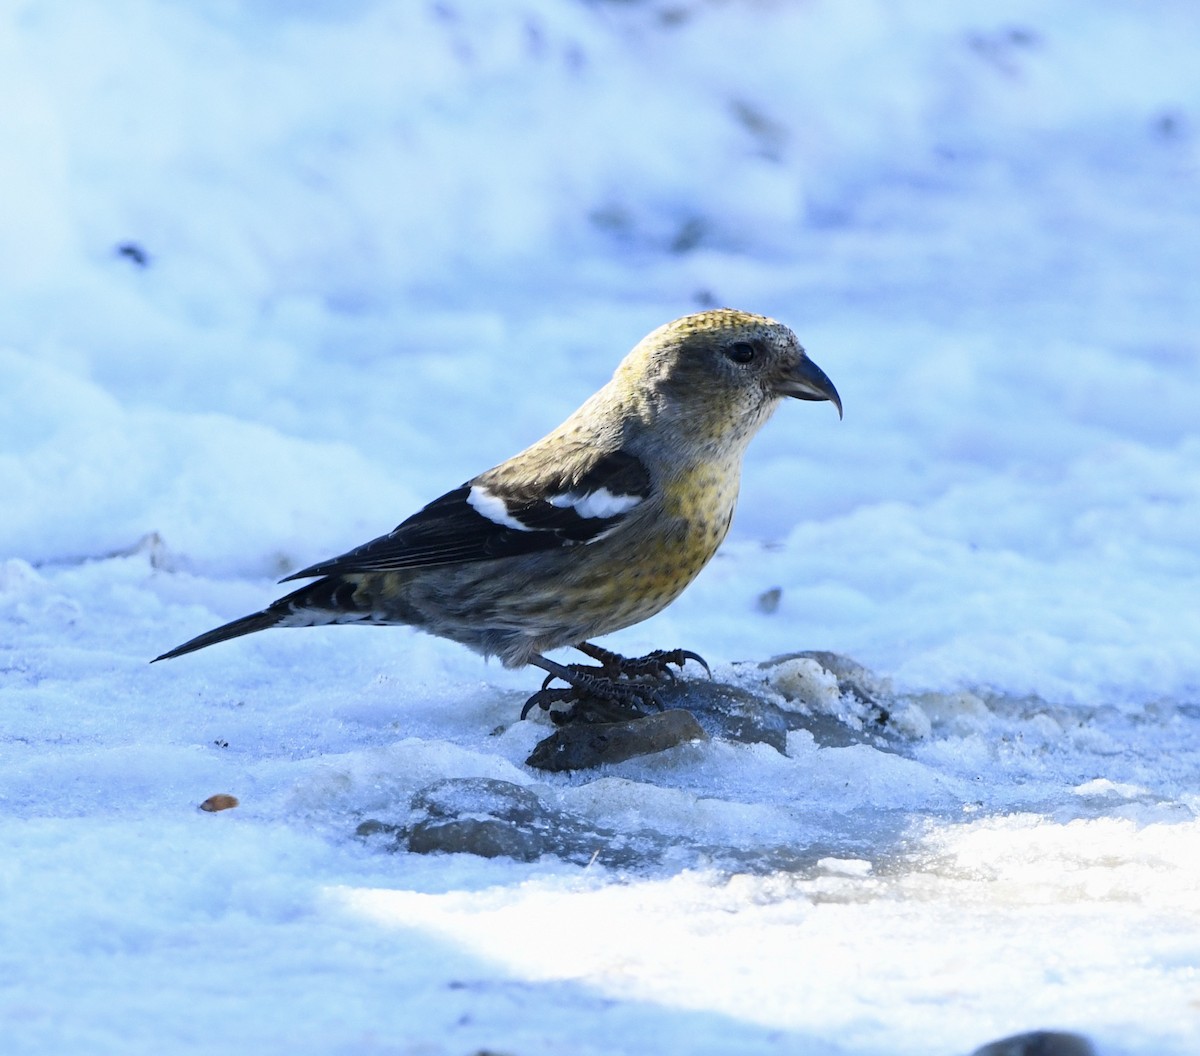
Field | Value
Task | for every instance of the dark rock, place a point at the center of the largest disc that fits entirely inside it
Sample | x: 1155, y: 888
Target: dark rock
x: 486, y: 837
x: 374, y: 827
x: 730, y: 713
x: 491, y: 818
x: 584, y: 745
x: 483, y: 816
x: 1039, y: 1043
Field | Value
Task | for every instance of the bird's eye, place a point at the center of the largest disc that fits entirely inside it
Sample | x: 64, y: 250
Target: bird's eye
x: 741, y: 352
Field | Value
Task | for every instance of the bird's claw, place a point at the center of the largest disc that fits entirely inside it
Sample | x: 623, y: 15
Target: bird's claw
x: 652, y: 665
x: 595, y: 699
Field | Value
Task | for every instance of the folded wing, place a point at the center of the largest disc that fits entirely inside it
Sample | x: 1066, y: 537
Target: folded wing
x: 493, y: 517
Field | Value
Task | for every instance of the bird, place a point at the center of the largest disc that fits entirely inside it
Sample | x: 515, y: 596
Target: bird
x: 597, y: 526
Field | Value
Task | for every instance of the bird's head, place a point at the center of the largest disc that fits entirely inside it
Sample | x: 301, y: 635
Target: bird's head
x: 721, y: 373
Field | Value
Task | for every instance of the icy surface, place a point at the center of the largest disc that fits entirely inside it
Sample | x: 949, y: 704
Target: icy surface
x: 276, y: 274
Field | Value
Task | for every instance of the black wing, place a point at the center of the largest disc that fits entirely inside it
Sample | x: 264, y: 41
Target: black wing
x: 491, y: 517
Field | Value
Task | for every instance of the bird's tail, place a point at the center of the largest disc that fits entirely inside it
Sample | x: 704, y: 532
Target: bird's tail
x: 329, y: 600
x: 259, y: 621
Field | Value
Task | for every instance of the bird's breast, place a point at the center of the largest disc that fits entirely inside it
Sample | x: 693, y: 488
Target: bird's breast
x: 635, y: 573
x: 699, y: 505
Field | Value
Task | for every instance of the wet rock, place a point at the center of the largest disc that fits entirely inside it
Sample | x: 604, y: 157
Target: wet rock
x: 481, y: 816
x: 494, y: 819
x: 1039, y: 1043
x: 582, y: 746
x: 730, y: 713
x: 374, y: 827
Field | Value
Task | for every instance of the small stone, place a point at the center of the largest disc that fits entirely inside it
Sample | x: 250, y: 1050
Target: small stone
x: 1039, y: 1043
x: 584, y: 745
x: 375, y: 827
x: 768, y: 601
x: 134, y: 252
x: 221, y: 801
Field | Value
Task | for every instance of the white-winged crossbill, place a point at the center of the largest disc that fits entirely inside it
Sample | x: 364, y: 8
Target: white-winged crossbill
x: 597, y: 526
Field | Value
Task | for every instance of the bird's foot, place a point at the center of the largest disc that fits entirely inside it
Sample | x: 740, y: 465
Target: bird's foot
x: 593, y: 698
x: 654, y: 665
x: 615, y: 689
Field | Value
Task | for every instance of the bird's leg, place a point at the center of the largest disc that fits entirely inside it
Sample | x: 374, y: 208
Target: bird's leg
x: 652, y: 665
x: 594, y: 696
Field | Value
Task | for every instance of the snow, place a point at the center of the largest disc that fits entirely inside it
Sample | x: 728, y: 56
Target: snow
x: 387, y: 245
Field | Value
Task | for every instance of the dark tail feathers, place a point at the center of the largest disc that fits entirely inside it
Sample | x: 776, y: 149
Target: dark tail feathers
x: 324, y: 601
x: 259, y: 621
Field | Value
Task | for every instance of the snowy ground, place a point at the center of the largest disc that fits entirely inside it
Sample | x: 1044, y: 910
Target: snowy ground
x: 383, y: 246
